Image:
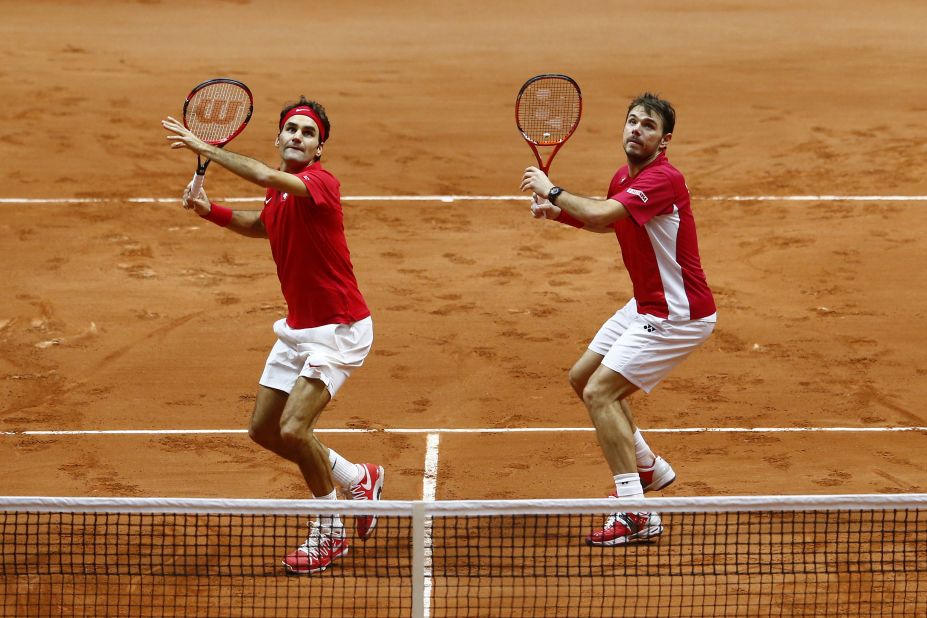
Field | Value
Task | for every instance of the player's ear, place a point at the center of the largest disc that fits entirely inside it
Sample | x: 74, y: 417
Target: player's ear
x: 277, y: 140
x: 665, y: 140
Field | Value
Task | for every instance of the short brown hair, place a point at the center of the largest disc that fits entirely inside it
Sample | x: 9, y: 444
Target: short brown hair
x: 655, y: 105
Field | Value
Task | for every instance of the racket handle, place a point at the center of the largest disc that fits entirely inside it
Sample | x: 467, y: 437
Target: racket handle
x: 197, y: 184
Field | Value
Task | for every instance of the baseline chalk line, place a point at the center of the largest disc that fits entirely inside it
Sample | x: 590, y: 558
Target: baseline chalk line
x: 473, y: 430
x: 466, y: 198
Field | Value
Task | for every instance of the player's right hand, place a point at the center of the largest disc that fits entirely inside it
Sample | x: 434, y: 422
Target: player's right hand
x: 543, y: 209
x: 199, y: 204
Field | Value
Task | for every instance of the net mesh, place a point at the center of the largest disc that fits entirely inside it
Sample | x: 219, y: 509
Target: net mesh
x: 79, y: 560
x: 216, y: 112
x: 548, y: 110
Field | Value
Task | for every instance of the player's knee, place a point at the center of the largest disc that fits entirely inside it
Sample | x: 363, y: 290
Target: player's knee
x: 578, y: 381
x: 593, y: 395
x: 260, y: 435
x: 598, y: 394
x: 295, y: 434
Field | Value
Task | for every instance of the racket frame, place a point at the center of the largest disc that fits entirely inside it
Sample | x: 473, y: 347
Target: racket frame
x: 545, y: 166
x: 200, y: 175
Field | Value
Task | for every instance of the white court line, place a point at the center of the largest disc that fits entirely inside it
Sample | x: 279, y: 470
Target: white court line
x: 438, y: 431
x: 430, y: 481
x: 468, y: 198
x: 814, y: 198
x: 429, y: 486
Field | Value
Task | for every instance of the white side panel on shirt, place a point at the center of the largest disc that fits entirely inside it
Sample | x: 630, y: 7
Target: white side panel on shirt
x: 663, y: 232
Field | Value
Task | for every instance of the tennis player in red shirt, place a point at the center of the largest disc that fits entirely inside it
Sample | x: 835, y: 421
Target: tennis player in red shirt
x: 328, y: 330
x: 672, y: 312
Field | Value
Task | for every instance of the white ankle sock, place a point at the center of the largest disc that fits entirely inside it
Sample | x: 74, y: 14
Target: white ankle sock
x: 629, y: 485
x: 331, y: 524
x: 344, y: 472
x: 645, y: 457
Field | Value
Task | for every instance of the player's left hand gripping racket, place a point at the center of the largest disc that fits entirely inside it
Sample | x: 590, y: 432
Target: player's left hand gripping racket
x: 547, y: 112
x: 216, y: 111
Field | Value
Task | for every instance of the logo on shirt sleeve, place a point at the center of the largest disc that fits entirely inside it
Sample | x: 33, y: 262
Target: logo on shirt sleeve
x: 638, y: 193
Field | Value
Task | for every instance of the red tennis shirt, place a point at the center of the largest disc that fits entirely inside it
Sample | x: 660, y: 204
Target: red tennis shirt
x: 658, y: 242
x: 311, y: 252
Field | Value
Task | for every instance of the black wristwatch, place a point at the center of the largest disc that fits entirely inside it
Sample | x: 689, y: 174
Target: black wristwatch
x: 553, y: 194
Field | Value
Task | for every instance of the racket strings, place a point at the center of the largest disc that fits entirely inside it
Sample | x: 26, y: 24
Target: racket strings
x: 217, y: 111
x: 548, y: 110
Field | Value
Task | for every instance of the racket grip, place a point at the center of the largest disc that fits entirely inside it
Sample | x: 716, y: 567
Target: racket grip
x: 197, y: 184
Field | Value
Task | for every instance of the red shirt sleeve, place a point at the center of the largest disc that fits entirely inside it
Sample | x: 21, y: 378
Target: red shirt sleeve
x: 324, y: 189
x: 649, y: 195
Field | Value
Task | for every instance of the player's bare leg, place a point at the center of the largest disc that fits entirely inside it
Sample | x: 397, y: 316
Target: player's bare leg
x: 583, y: 369
x: 265, y: 421
x: 284, y: 424
x: 614, y: 423
x: 654, y: 471
x: 297, y: 424
x: 289, y: 431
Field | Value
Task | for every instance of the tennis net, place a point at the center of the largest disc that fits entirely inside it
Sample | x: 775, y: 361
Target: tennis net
x: 723, y: 556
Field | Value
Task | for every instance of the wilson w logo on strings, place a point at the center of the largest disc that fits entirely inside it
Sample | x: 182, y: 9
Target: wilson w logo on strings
x: 217, y: 111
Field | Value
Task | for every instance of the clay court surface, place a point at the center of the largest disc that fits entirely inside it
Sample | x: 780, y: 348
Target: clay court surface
x: 118, y: 314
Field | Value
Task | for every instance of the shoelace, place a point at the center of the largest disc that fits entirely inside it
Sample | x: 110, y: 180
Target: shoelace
x: 624, y: 518
x: 317, y: 542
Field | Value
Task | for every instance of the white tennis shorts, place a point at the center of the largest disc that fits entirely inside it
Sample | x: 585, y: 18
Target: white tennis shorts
x: 328, y: 353
x: 644, y: 348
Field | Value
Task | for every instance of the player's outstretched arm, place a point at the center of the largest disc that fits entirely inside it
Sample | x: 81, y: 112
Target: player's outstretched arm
x: 240, y: 165
x: 596, y: 213
x: 593, y: 215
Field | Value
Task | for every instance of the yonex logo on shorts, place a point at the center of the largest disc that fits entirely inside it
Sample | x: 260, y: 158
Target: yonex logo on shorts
x: 638, y: 193
x: 649, y: 328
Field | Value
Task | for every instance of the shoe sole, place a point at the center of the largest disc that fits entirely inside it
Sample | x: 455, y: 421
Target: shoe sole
x: 377, y: 491
x: 648, y: 535
x: 296, y: 571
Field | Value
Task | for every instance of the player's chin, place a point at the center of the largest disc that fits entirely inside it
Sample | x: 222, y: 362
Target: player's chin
x: 635, y: 154
x: 296, y: 157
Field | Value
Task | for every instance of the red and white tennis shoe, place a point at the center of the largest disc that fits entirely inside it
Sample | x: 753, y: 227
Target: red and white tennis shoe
x: 627, y: 528
x: 317, y: 553
x: 657, y: 476
x: 368, y: 487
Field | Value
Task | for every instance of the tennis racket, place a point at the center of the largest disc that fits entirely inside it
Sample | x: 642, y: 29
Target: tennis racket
x: 216, y: 111
x: 547, y: 112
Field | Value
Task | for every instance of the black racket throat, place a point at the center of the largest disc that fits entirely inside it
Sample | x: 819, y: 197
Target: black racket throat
x: 201, y: 165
